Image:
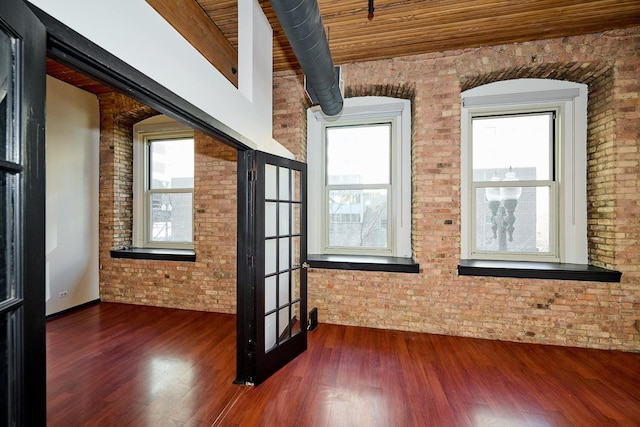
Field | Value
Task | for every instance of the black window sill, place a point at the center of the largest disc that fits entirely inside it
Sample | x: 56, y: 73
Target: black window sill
x: 155, y: 254
x: 537, y: 270
x: 364, y: 263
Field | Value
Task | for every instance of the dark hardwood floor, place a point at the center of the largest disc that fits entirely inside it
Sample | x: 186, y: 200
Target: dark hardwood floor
x: 125, y: 365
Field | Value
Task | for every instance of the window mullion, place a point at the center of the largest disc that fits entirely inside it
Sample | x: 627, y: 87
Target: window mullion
x: 170, y: 190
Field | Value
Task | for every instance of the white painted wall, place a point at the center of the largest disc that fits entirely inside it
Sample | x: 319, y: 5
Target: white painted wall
x: 135, y: 33
x: 72, y: 155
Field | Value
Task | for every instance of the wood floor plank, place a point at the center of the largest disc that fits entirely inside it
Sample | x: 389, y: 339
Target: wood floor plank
x: 116, y: 365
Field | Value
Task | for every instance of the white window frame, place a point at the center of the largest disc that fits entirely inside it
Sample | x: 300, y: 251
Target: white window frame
x: 569, y: 100
x: 362, y: 110
x: 158, y: 127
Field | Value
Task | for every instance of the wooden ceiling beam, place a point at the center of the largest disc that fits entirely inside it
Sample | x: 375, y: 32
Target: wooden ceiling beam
x: 188, y: 18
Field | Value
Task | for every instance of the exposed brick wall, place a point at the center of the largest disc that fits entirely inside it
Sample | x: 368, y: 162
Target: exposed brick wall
x: 626, y: 165
x: 289, y: 113
x: 588, y: 314
x: 117, y: 115
x: 601, y: 182
x: 209, y: 284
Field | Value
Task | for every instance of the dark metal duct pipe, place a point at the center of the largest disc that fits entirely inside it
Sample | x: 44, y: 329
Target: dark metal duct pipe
x: 302, y: 24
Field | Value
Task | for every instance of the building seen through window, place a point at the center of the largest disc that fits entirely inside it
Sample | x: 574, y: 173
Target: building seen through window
x: 358, y: 184
x: 513, y: 181
x: 170, y: 191
x: 360, y: 178
x: 163, y: 175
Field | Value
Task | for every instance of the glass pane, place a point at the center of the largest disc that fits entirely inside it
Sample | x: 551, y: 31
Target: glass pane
x: 358, y: 218
x: 9, y: 356
x: 8, y: 236
x: 522, y: 145
x: 285, y: 323
x: 270, y: 333
x: 6, y: 355
x: 295, y: 284
x: 171, y: 163
x: 285, y: 193
x: 295, y: 314
x: 359, y: 154
x: 270, y: 293
x: 171, y: 217
x: 284, y: 219
x: 270, y: 256
x: 295, y: 262
x: 283, y: 290
x: 270, y: 180
x: 270, y: 219
x: 285, y: 261
x: 514, y: 224
x: 7, y: 104
x: 297, y: 195
x: 295, y: 226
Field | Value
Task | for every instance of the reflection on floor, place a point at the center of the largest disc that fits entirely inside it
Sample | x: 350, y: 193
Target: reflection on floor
x: 124, y: 365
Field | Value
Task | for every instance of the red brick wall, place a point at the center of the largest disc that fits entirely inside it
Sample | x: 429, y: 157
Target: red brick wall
x: 589, y: 314
x: 209, y: 284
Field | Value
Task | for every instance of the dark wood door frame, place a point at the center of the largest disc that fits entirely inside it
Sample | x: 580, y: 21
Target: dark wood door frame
x: 23, y: 370
x: 245, y: 289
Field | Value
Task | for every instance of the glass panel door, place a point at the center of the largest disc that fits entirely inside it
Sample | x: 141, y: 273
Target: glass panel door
x: 281, y: 276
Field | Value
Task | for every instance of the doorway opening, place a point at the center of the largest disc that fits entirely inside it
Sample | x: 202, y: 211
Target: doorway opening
x: 225, y: 211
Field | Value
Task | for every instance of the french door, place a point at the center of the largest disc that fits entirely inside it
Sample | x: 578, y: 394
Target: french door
x: 22, y: 256
x: 272, y: 310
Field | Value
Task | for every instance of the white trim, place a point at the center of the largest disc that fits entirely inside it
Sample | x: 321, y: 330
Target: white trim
x: 570, y: 101
x: 517, y: 98
x: 157, y: 125
x: 362, y: 109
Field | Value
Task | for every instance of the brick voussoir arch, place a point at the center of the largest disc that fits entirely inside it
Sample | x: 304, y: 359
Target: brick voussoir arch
x: 397, y: 90
x: 587, y: 72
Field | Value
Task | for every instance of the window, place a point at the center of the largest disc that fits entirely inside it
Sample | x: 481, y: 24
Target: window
x: 163, y: 185
x: 359, y: 167
x: 524, y: 171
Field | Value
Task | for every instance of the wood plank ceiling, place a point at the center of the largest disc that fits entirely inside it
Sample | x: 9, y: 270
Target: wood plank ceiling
x: 74, y: 78
x: 410, y: 27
